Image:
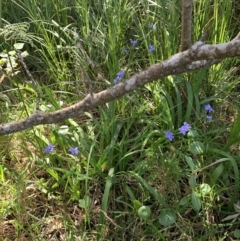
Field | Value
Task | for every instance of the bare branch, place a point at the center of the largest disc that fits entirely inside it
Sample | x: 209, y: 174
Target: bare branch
x: 187, y: 8
x: 200, y: 55
x: 34, y: 83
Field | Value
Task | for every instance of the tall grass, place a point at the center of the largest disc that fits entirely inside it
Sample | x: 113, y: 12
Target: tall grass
x: 129, y: 182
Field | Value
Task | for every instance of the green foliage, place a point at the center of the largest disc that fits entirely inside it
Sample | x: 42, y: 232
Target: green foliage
x: 167, y: 217
x: 128, y: 180
x: 16, y: 32
x: 144, y: 212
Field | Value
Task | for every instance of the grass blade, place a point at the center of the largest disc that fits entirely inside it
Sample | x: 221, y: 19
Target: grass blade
x: 190, y: 102
x: 153, y: 191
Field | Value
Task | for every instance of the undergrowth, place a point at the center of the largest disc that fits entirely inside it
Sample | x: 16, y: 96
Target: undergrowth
x: 161, y: 163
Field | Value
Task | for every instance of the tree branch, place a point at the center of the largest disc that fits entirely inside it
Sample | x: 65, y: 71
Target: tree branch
x: 200, y: 55
x: 187, y: 8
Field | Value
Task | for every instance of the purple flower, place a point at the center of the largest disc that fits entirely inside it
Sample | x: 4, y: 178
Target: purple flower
x: 73, y: 150
x: 209, y: 108
x: 119, y: 76
x: 151, y: 48
x: 152, y: 26
x: 209, y: 118
x: 185, y: 128
x: 49, y: 148
x: 133, y: 42
x: 169, y: 135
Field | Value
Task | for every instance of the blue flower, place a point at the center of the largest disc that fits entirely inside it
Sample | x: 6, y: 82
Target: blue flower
x: 49, y: 148
x: 185, y: 128
x: 209, y: 108
x: 152, y: 26
x: 151, y: 48
x: 169, y: 135
x: 209, y: 118
x: 133, y: 42
x: 73, y: 150
x: 119, y: 76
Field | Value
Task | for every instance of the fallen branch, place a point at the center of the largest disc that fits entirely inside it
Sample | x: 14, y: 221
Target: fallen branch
x: 199, y: 56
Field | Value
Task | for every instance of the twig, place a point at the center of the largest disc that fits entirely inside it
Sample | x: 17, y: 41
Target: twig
x: 31, y: 78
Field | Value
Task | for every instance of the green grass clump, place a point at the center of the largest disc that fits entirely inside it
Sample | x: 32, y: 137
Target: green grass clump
x: 127, y: 181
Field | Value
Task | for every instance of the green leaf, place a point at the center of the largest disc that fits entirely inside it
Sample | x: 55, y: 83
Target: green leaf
x: 144, y: 212
x: 2, y: 176
x: 179, y: 103
x: 12, y: 53
x: 237, y: 206
x: 197, y: 103
x: 167, y: 217
x: 137, y: 204
x: 236, y: 233
x: 18, y: 46
x: 233, y: 137
x: 232, y: 217
x: 236, y: 173
x: 53, y: 173
x: 190, y: 163
x: 196, y: 202
x: 2, y: 61
x: 192, y: 133
x: 30, y: 87
x: 153, y: 191
x: 24, y: 54
x: 197, y: 148
x: 184, y: 201
x: 192, y: 181
x: 105, y: 198
x: 63, y: 130
x: 169, y: 105
x: 190, y: 101
x: 217, y: 172
x: 84, y: 203
x: 3, y: 55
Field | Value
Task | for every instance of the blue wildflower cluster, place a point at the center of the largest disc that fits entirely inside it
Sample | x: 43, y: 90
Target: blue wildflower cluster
x: 209, y: 110
x: 50, y: 148
x: 119, y: 76
x: 151, y: 48
x: 186, y: 127
x: 73, y: 150
x: 169, y: 135
x: 183, y: 130
x: 134, y: 42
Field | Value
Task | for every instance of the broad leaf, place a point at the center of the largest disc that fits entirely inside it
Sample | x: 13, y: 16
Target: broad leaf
x: 18, y: 46
x: 84, y: 203
x: 237, y: 233
x: 196, y: 202
x: 144, y: 212
x: 197, y: 148
x: 192, y: 181
x: 167, y: 217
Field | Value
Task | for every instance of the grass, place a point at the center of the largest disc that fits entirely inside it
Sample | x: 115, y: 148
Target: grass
x: 129, y: 182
